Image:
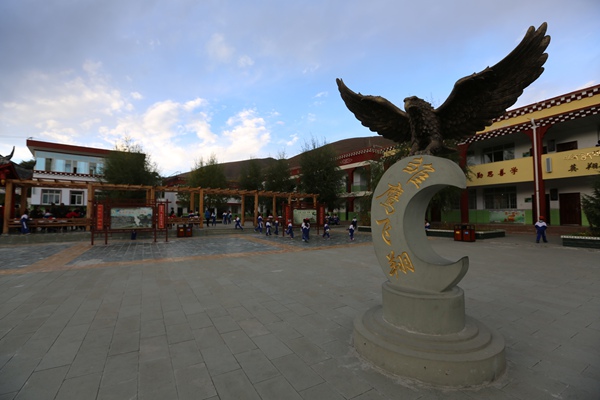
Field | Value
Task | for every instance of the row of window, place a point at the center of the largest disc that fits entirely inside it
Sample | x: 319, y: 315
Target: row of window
x: 71, y: 166
x: 50, y: 196
x: 507, y: 152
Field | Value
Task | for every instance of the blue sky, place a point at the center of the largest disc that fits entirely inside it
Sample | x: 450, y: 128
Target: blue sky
x: 256, y: 78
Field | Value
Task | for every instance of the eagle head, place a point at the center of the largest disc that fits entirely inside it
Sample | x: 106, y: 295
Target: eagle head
x: 414, y: 103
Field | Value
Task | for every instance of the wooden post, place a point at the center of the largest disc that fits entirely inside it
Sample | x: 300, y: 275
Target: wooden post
x: 201, y: 208
x: 255, y: 207
x: 192, y: 202
x: 91, y: 195
x: 243, y: 208
x: 274, y: 206
x: 8, y: 205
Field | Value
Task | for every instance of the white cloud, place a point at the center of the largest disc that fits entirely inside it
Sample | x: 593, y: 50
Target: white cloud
x: 245, y: 62
x: 218, y: 50
x: 136, y: 96
x: 293, y: 140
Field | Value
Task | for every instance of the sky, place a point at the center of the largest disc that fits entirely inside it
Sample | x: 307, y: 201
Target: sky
x: 240, y: 79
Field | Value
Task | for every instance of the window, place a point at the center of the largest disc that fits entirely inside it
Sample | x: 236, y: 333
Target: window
x: 76, y: 198
x: 48, y: 165
x: 500, y: 198
x: 498, y: 153
x: 93, y: 169
x: 50, y: 196
x: 68, y: 166
x: 472, y: 199
x: 566, y: 146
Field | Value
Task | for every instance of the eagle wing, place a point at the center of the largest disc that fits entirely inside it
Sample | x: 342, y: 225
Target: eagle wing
x: 481, y: 97
x: 377, y: 114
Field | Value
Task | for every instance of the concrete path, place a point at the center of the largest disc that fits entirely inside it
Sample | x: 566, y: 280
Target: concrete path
x: 244, y: 316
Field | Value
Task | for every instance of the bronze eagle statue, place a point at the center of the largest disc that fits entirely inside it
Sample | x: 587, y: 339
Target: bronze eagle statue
x: 475, y: 100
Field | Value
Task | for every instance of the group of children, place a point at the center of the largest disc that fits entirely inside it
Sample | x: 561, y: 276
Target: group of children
x: 305, y: 228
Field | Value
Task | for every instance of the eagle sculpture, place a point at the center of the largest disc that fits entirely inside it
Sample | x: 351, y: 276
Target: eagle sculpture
x: 473, y: 103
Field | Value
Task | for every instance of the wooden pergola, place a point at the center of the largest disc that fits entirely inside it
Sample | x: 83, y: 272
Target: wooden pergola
x: 92, y: 187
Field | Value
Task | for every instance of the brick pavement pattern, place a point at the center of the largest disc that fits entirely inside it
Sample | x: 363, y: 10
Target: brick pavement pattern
x: 251, y: 317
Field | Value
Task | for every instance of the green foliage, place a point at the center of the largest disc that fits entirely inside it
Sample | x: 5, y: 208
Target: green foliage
x: 320, y: 174
x: 251, y: 178
x: 591, y: 206
x: 30, y: 164
x: 128, y: 165
x: 277, y: 176
x: 209, y: 174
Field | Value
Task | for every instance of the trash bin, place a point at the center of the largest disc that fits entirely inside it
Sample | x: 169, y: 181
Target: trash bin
x: 181, y: 230
x: 468, y: 233
x: 188, y: 230
x: 458, y: 233
x: 133, y: 234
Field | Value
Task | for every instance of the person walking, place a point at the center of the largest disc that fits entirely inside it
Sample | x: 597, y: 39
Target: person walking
x: 238, y: 223
x: 276, y: 226
x: 326, y: 231
x: 290, y: 229
x: 24, y: 221
x: 540, y: 228
x: 259, y: 224
x: 207, y: 217
x: 305, y: 227
x: 351, y: 231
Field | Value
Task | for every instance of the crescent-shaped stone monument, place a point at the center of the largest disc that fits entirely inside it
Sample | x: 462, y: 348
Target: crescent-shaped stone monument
x: 421, y: 331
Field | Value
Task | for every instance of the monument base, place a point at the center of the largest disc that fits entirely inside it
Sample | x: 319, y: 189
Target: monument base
x: 462, y: 356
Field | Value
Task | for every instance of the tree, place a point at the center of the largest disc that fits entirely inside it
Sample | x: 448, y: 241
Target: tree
x: 251, y: 178
x: 277, y: 178
x: 320, y: 173
x: 209, y: 174
x: 30, y: 164
x: 129, y: 165
x: 591, y: 206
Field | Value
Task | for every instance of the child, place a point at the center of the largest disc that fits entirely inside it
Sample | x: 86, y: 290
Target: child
x: 540, y: 228
x: 259, y: 224
x: 276, y: 224
x: 237, y: 223
x: 268, y: 226
x: 290, y: 229
x: 305, y: 229
x: 24, y: 220
x: 351, y: 231
x: 326, y: 231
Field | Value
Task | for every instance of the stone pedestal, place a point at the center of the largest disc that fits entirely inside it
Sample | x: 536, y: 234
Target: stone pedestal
x: 428, y: 337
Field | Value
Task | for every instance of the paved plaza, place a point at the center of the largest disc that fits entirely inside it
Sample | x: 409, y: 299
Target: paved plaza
x: 245, y: 316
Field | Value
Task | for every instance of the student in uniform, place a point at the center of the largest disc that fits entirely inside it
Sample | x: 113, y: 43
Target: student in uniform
x: 351, y: 231
x: 540, y: 228
x: 326, y: 231
x: 290, y: 229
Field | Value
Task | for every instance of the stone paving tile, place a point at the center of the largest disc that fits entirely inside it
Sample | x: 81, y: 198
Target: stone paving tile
x: 276, y: 389
x: 255, y: 325
x: 235, y: 385
x: 194, y: 383
x: 15, y: 257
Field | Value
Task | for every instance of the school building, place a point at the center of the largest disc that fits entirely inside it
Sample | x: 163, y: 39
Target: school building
x: 534, y: 160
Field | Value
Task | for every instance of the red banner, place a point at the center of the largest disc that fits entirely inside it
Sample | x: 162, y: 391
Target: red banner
x: 161, y: 216
x: 99, y: 217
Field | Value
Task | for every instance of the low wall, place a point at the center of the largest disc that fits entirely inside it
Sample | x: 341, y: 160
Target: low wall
x: 589, y: 242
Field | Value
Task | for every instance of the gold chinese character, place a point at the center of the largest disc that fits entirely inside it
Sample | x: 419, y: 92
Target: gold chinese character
x: 401, y: 262
x: 392, y: 196
x: 387, y: 227
x: 420, y: 172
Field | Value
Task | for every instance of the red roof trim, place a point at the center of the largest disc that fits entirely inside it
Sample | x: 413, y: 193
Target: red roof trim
x: 65, y: 148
